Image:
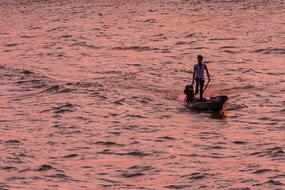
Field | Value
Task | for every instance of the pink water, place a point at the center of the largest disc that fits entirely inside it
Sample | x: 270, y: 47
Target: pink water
x: 91, y: 94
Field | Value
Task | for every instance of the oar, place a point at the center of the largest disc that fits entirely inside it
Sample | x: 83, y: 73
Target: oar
x: 206, y: 86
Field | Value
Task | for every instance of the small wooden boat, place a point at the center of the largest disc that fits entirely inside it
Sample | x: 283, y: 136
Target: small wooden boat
x: 214, y: 104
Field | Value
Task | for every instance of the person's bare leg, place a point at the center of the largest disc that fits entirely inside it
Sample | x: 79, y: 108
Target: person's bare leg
x: 197, y: 86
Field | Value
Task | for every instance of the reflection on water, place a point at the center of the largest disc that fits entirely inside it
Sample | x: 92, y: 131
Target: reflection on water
x: 92, y: 91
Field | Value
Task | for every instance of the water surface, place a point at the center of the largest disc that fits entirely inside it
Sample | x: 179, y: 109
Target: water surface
x: 92, y: 94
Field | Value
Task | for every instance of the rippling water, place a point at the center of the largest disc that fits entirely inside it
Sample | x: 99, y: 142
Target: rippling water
x: 92, y: 94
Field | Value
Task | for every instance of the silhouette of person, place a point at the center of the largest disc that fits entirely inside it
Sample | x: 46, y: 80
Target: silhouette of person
x: 198, y: 76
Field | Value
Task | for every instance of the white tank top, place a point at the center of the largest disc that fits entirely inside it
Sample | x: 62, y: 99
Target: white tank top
x: 199, y: 71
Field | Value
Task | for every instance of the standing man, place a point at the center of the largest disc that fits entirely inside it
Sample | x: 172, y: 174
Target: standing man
x: 198, y: 75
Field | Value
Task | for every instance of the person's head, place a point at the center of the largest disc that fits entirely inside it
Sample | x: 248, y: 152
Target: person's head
x: 200, y: 58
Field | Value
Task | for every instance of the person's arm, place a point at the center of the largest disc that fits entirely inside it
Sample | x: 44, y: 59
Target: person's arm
x: 194, y: 73
x: 207, y: 72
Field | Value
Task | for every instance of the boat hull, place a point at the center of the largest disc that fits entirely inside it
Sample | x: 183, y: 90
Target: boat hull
x: 215, y: 104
